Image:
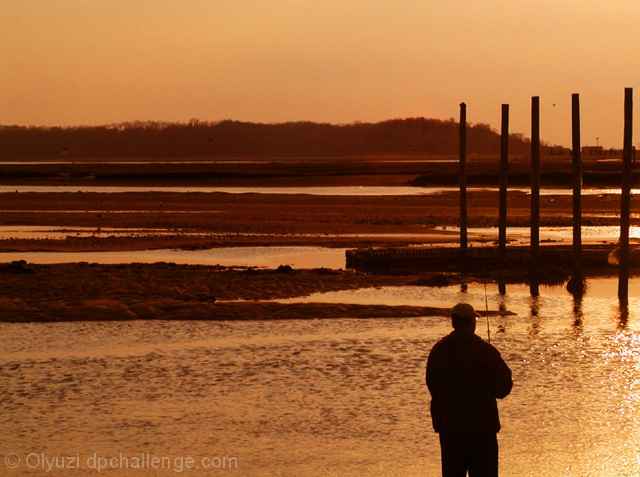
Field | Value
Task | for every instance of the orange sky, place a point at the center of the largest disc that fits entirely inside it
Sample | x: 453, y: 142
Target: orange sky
x: 73, y: 62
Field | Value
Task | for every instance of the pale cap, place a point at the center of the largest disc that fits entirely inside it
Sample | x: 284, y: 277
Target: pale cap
x: 464, y: 310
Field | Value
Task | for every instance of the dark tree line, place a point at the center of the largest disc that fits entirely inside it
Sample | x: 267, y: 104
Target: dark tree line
x: 242, y: 139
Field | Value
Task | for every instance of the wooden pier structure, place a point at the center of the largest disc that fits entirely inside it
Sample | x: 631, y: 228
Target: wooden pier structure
x: 516, y: 259
x: 527, y: 261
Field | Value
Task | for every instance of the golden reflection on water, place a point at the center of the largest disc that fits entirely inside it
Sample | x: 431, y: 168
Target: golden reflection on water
x: 330, y: 397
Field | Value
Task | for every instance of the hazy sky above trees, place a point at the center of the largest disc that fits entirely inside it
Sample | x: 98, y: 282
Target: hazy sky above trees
x: 73, y: 62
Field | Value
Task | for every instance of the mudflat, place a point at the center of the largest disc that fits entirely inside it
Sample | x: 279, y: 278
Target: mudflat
x: 191, y: 220
x: 82, y: 291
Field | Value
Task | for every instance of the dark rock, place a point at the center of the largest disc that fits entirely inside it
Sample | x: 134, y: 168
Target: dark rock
x: 18, y: 266
x: 284, y: 269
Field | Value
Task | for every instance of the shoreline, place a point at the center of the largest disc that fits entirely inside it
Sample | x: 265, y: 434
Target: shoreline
x: 164, y: 291
x: 92, y: 292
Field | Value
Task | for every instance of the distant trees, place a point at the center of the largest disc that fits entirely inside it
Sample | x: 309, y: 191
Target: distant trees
x: 241, y: 139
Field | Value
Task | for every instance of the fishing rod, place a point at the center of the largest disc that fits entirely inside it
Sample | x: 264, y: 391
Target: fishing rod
x: 486, y: 298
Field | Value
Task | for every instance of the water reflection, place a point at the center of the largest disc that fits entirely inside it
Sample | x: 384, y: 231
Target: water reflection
x: 477, y: 236
x: 624, y: 313
x: 268, y: 257
x: 577, y: 313
x: 553, y: 233
x: 502, y: 302
x: 298, y: 397
x: 63, y: 232
x: 552, y: 301
x: 44, y: 163
x: 325, y: 190
x: 535, y: 315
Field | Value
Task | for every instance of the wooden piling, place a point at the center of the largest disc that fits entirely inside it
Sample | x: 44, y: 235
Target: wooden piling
x: 463, y: 176
x: 625, y: 206
x: 576, y: 284
x: 535, y: 196
x: 577, y: 183
x: 504, y: 171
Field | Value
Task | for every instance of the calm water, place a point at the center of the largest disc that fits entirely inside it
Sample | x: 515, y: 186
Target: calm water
x: 268, y: 257
x: 490, y: 233
x: 151, y: 163
x: 521, y: 234
x: 37, y: 232
x: 326, y: 190
x: 325, y: 397
x: 271, y: 257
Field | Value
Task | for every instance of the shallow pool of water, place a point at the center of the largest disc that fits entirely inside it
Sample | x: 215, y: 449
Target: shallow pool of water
x: 521, y: 234
x: 325, y: 397
x: 327, y: 190
x: 70, y: 162
x: 269, y: 257
x: 36, y: 232
x: 345, y: 190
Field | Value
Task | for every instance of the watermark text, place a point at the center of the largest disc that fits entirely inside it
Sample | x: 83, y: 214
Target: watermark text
x: 99, y: 463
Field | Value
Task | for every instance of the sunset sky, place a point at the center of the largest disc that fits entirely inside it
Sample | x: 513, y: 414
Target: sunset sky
x: 90, y: 62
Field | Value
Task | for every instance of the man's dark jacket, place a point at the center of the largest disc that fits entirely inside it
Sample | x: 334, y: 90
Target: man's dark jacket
x: 465, y: 375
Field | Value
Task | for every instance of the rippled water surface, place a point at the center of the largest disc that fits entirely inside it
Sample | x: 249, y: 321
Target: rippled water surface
x: 327, y: 397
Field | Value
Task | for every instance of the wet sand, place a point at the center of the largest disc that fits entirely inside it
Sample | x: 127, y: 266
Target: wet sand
x: 72, y: 292
x: 230, y: 219
x: 194, y: 221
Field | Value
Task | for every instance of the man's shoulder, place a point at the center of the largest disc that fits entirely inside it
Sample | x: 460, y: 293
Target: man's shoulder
x: 444, y: 341
x: 470, y: 341
x: 485, y: 345
x: 440, y: 346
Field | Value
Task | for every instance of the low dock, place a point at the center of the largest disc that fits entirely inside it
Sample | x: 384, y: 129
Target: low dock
x: 595, y: 257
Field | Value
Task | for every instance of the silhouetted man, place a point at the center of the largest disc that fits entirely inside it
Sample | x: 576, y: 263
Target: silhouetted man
x: 465, y: 375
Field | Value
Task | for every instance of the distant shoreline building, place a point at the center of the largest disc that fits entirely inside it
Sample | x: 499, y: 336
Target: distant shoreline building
x: 592, y: 150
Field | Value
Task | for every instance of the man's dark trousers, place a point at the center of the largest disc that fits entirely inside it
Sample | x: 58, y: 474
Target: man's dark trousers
x: 477, y: 453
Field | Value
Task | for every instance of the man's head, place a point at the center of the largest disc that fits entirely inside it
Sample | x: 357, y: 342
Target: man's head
x: 463, y: 317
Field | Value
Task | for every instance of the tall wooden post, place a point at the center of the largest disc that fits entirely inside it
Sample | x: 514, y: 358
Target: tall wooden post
x: 504, y: 170
x: 625, y: 206
x: 577, y: 284
x: 535, y: 196
x: 463, y: 176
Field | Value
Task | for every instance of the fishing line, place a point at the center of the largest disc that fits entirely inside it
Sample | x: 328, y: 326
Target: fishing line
x: 486, y: 298
x: 522, y: 275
